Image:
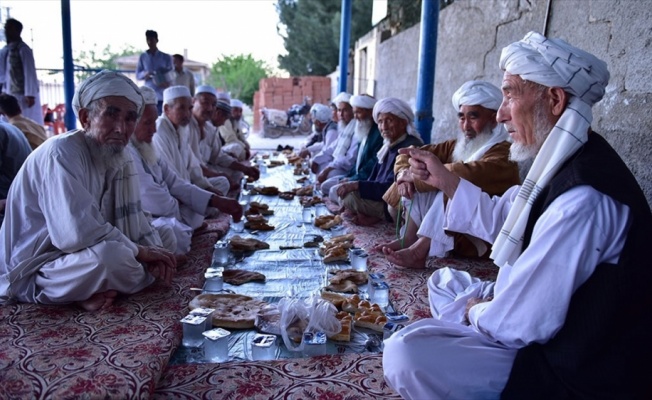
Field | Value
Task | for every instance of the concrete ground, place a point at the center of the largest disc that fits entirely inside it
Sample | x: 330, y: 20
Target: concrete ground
x: 258, y: 142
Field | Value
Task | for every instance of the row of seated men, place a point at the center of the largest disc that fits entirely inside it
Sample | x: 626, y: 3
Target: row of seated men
x: 355, y: 154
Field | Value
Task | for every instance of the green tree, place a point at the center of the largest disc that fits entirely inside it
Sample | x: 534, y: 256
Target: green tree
x: 94, y: 59
x: 239, y: 75
x: 311, y: 33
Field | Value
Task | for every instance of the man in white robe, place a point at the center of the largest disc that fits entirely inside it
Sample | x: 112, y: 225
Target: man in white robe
x: 324, y: 131
x: 173, y: 202
x: 232, y: 133
x: 18, y: 72
x: 569, y: 314
x: 480, y: 154
x: 74, y: 230
x: 337, y: 158
x: 172, y: 141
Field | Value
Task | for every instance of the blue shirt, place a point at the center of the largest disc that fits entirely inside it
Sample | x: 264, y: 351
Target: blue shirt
x: 158, y: 62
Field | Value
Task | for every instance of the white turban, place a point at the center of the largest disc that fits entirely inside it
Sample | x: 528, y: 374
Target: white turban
x: 224, y: 96
x: 478, y: 93
x: 343, y: 97
x: 399, y: 108
x: 321, y: 112
x: 206, y: 89
x: 235, y: 103
x: 103, y: 84
x: 363, y: 101
x: 552, y: 63
x: 174, y: 92
x: 149, y: 95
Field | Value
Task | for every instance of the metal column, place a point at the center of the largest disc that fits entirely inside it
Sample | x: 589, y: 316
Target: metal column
x: 68, y: 66
x: 427, y: 58
x: 345, y: 38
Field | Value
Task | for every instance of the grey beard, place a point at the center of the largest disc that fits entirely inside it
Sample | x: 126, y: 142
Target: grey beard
x: 521, y: 152
x: 108, y: 156
x: 146, y: 151
x: 465, y: 148
x: 362, y: 129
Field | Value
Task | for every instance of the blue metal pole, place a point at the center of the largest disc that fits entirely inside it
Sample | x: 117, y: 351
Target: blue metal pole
x: 427, y: 59
x: 345, y: 38
x: 68, y: 66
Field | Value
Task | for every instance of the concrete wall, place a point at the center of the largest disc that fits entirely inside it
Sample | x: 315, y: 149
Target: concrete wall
x: 472, y: 34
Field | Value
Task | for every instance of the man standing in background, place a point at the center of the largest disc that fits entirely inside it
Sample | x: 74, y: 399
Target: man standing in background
x: 154, y: 67
x: 181, y: 75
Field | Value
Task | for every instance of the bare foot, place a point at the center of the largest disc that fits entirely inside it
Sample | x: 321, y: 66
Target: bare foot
x: 365, y: 220
x: 412, y: 257
x: 393, y: 245
x: 348, y: 215
x: 203, y: 226
x: 98, y: 301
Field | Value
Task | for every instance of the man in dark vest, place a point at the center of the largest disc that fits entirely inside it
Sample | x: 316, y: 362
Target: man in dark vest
x: 569, y: 314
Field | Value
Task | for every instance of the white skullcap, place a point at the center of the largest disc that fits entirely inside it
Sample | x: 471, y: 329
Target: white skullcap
x: 321, y: 112
x: 174, y: 92
x: 555, y: 63
x: 103, y: 84
x: 149, y: 95
x: 236, y: 103
x: 478, y: 93
x: 363, y: 101
x: 343, y: 97
x: 396, y: 107
x: 224, y: 96
x: 206, y: 89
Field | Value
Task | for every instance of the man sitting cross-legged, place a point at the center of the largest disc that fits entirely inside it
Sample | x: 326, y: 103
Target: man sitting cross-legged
x: 480, y: 154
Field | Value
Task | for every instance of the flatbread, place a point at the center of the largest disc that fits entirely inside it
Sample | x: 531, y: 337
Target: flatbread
x: 240, y: 276
x: 343, y: 287
x: 357, y: 277
x: 346, y: 321
x: 231, y: 310
x: 240, y: 244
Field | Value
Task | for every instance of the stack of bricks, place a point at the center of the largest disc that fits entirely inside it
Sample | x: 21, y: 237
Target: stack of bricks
x: 282, y: 93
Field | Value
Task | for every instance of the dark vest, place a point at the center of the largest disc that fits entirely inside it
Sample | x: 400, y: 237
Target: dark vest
x: 604, y: 349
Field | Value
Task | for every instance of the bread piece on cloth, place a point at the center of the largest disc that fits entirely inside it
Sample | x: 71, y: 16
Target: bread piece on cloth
x: 240, y: 244
x: 265, y: 190
x: 335, y: 299
x: 240, y: 276
x: 343, y: 287
x: 357, y: 277
x: 258, y: 226
x: 344, y: 335
x: 370, y: 320
x: 336, y: 254
x: 231, y: 310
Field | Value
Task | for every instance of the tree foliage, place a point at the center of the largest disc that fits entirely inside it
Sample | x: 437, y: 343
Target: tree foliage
x: 311, y: 33
x: 239, y: 75
x: 93, y: 60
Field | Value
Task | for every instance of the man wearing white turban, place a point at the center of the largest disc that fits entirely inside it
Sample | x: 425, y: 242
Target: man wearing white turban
x: 173, y: 141
x: 174, y: 203
x: 339, y: 156
x: 362, y: 200
x: 232, y: 134
x: 74, y: 230
x: 480, y: 154
x: 324, y: 131
x: 569, y: 314
x: 368, y: 135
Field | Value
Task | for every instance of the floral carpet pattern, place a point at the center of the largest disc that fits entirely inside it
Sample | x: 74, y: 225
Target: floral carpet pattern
x: 123, y: 352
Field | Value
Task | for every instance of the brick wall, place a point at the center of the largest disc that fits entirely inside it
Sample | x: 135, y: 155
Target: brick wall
x: 281, y: 93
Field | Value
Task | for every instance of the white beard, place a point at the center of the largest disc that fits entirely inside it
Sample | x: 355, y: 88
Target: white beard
x: 465, y: 148
x: 362, y: 129
x: 106, y: 156
x: 520, y: 152
x: 146, y: 151
x: 341, y: 125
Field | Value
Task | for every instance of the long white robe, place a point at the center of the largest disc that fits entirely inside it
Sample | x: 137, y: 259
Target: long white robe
x: 435, y: 357
x: 213, y: 156
x: 235, y: 143
x: 35, y: 112
x: 172, y: 146
x: 57, y: 244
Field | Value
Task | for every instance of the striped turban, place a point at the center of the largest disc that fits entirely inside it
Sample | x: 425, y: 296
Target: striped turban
x: 103, y: 84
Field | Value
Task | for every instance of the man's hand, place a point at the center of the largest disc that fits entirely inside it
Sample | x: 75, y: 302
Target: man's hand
x: 314, y: 167
x: 473, y: 301
x: 304, y: 153
x: 159, y: 262
x: 323, y: 175
x: 227, y: 206
x: 252, y: 172
x: 426, y: 167
x: 405, y: 176
x: 406, y: 189
x: 346, y: 188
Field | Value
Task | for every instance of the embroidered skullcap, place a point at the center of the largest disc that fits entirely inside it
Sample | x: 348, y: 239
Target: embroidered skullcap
x: 396, y: 107
x: 222, y: 105
x: 174, y: 92
x: 206, y: 89
x: 103, y: 84
x: 555, y: 63
x: 235, y: 103
x: 478, y: 93
x: 149, y: 95
x: 224, y: 96
x: 343, y: 97
x: 362, y: 101
x: 321, y: 112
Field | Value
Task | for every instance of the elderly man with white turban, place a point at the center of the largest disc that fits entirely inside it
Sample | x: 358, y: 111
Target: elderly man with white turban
x: 174, y: 203
x: 480, y: 154
x: 74, y: 230
x: 569, y: 314
x: 368, y: 136
x: 324, y: 131
x: 362, y: 200
x: 235, y: 142
x: 173, y: 143
x: 338, y: 157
